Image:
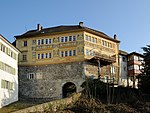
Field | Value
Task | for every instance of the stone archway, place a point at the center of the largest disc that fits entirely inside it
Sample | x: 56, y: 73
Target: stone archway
x: 68, y: 88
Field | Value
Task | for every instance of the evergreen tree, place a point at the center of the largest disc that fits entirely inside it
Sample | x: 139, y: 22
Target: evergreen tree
x: 144, y: 84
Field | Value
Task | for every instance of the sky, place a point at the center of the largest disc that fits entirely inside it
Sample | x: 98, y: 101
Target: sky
x: 128, y: 19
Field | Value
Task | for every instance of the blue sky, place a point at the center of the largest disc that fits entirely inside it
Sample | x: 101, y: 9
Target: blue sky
x: 129, y: 19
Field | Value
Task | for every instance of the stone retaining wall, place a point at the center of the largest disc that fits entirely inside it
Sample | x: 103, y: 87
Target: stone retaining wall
x: 53, y: 106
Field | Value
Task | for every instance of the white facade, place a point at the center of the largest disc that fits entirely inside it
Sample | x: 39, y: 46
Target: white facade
x: 123, y: 70
x: 8, y: 72
x: 124, y: 80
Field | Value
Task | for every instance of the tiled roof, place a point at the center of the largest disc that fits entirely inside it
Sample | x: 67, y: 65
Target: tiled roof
x: 135, y: 53
x: 59, y: 29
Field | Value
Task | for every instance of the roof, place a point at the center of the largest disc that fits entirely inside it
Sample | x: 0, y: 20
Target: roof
x: 60, y: 29
x: 121, y: 52
x: 6, y: 41
x: 135, y: 53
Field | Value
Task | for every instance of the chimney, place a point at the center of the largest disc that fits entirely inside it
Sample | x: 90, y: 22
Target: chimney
x: 115, y: 36
x: 81, y: 24
x: 39, y: 27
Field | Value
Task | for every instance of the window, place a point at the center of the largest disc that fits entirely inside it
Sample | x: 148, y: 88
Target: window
x: 62, y: 39
x: 33, y: 48
x: 25, y: 43
x: 3, y: 49
x: 140, y: 59
x: 7, y: 50
x: 95, y: 40
x: 136, y: 58
x: 38, y: 56
x: 50, y: 41
x: 33, y: 42
x: 103, y: 42
x: 7, y: 85
x: 66, y: 53
x: 0, y: 65
x: 107, y: 44
x: 0, y: 46
x: 7, y: 68
x: 70, y: 53
x: 46, y: 41
x: 39, y: 42
x: 66, y: 39
x: 46, y: 55
x: 74, y: 52
x: 89, y: 38
x: 92, y: 39
x: 50, y: 55
x: 42, y: 41
x: 112, y: 69
x: 11, y: 54
x: 125, y: 68
x: 33, y: 54
x: 86, y: 36
x: 24, y: 57
x: 87, y: 52
x: 110, y: 45
x: 123, y: 59
x: 31, y: 76
x: 136, y: 67
x: 42, y: 56
x: 74, y: 38
x: 62, y: 54
x: 70, y: 38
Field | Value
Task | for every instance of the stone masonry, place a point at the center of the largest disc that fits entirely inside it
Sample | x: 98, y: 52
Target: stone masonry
x: 48, y: 80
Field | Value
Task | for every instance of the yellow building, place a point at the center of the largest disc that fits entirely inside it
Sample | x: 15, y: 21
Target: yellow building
x: 67, y: 44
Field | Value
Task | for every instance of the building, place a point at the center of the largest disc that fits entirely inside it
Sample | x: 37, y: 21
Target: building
x: 123, y: 71
x: 8, y: 72
x: 130, y: 68
x: 135, y: 61
x: 57, y: 60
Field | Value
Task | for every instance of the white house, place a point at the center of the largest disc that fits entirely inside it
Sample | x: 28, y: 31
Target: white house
x: 8, y: 72
x: 123, y: 74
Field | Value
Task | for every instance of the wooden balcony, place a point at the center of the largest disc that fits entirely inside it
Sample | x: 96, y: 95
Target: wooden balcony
x: 104, y: 59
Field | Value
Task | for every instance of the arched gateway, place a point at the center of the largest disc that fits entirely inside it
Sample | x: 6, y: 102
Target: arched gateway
x: 68, y: 88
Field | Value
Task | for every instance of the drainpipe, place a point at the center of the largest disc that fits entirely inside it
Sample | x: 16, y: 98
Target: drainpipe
x: 99, y: 75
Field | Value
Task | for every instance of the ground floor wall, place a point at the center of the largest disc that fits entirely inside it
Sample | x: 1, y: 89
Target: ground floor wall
x: 46, y: 81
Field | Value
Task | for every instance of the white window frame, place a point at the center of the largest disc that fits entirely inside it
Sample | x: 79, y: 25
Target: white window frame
x: 31, y: 76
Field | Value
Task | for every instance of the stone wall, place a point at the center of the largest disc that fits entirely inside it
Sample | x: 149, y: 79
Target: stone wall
x: 51, y: 106
x: 48, y: 80
x: 92, y: 70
